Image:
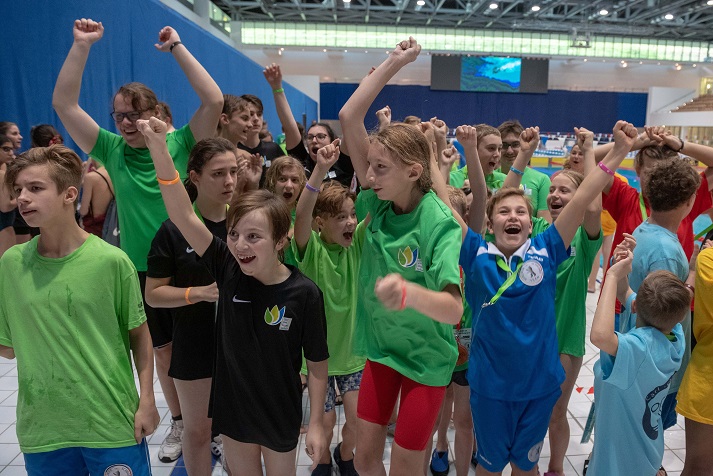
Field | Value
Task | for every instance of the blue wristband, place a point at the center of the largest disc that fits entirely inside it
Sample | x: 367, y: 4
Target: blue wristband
x: 311, y: 188
x: 519, y: 172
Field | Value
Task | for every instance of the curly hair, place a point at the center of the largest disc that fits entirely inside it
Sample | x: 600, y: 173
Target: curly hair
x: 669, y: 184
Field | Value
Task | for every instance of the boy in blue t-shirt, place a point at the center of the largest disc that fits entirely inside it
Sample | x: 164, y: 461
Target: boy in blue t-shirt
x: 635, y: 369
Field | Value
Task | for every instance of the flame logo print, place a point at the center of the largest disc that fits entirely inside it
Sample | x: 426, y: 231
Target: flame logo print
x: 408, y: 258
x: 274, y: 316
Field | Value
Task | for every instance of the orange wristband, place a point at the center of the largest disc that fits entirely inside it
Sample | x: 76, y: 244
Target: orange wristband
x: 188, y: 290
x: 176, y: 179
x: 403, y: 295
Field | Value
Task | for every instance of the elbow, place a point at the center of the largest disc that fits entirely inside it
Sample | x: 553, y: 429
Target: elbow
x: 151, y: 299
x: 456, y: 314
x: 598, y: 338
x: 344, y: 113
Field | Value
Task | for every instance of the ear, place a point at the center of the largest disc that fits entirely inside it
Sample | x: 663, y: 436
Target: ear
x: 633, y: 306
x: 224, y: 119
x: 71, y: 195
x: 489, y: 225
x: 284, y: 241
x: 530, y: 232
x: 319, y: 221
x: 415, y: 172
x: 194, y: 177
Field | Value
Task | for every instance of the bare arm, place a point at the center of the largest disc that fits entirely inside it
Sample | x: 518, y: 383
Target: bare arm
x: 442, y: 306
x: 146, y: 418
x: 354, y: 111
x: 204, y: 122
x: 593, y: 215
x: 315, y: 443
x: 65, y: 99
x: 468, y: 137
x: 273, y: 75
x: 603, y: 335
x: 7, y: 352
x: 529, y: 138
x: 160, y: 293
x: 175, y: 197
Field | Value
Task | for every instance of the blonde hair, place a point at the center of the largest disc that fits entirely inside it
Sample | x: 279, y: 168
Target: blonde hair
x: 407, y: 145
x: 278, y: 166
x: 501, y: 195
x: 64, y: 165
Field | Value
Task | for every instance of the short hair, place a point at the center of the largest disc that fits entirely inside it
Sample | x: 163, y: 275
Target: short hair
x: 200, y: 155
x: 407, y: 144
x: 654, y: 152
x: 275, y: 209
x: 662, y: 300
x: 457, y: 198
x: 165, y: 111
x: 140, y: 96
x: 510, y: 127
x: 331, y: 199
x: 5, y: 126
x: 669, y: 184
x: 255, y: 101
x: 65, y: 166
x: 44, y: 135
x: 278, y: 165
x: 484, y: 130
x: 327, y: 127
x: 501, y: 195
x: 232, y: 103
x: 412, y: 120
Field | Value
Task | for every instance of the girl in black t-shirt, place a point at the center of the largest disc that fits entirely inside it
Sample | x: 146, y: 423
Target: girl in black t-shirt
x: 269, y: 314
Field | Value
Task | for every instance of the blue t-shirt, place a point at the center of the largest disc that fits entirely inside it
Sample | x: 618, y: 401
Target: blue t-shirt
x: 629, y: 390
x: 659, y: 249
x: 514, y: 353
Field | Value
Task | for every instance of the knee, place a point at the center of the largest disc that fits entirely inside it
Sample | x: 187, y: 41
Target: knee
x: 198, y: 431
x: 463, y: 422
x: 365, y: 463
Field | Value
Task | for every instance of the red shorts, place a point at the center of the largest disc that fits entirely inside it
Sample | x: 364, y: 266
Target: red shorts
x: 420, y: 404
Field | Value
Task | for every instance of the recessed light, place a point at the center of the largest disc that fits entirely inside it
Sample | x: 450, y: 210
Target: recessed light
x: 604, y: 12
x: 585, y: 60
x: 421, y: 3
x: 709, y: 2
x: 536, y: 8
x: 493, y: 6
x: 668, y: 16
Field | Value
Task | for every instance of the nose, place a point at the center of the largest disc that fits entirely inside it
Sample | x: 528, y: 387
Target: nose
x: 370, y: 175
x: 22, y: 196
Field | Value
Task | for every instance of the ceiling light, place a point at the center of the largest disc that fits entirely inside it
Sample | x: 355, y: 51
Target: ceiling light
x: 604, y: 12
x: 324, y: 50
x: 536, y: 8
x: 709, y: 2
x: 678, y: 67
x: 493, y: 6
x: 694, y: 65
x: 421, y: 3
x: 668, y: 16
x: 347, y: 1
x: 585, y: 60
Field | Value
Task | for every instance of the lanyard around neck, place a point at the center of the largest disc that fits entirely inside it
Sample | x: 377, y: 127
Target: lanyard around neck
x: 512, y: 276
x: 644, y: 215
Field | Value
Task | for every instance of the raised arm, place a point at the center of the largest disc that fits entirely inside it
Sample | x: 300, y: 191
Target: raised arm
x: 446, y: 160
x: 603, y: 334
x: 65, y: 98
x: 384, y: 117
x: 702, y: 153
x: 205, y: 120
x: 571, y: 217
x: 326, y: 157
x: 593, y: 215
x: 529, y: 138
x: 468, y: 137
x: 273, y: 75
x: 440, y: 131
x: 175, y: 197
x: 354, y: 111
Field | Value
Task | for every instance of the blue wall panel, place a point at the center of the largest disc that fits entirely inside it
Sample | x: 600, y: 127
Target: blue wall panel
x: 555, y: 111
x: 37, y: 35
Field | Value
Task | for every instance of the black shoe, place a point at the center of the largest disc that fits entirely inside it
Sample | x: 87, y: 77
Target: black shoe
x: 346, y: 468
x: 323, y: 469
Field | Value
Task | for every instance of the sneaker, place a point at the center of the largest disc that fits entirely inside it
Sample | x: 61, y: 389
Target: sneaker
x: 172, y: 445
x: 439, y: 463
x: 323, y: 469
x: 216, y: 446
x: 346, y: 468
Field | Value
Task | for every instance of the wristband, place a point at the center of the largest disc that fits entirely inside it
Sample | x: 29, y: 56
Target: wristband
x: 517, y: 171
x: 690, y: 286
x: 606, y: 169
x: 169, y: 182
x: 403, y: 295
x: 680, y: 148
x: 173, y: 45
x: 185, y: 296
x: 278, y: 90
x: 311, y: 188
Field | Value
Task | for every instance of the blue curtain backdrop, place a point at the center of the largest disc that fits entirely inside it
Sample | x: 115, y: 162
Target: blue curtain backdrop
x: 556, y: 111
x: 37, y: 34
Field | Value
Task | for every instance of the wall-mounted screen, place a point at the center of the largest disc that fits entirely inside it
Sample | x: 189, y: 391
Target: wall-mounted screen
x: 490, y: 74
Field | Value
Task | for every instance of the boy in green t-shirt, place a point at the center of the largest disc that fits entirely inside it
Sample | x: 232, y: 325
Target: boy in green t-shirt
x: 331, y: 259
x: 76, y: 312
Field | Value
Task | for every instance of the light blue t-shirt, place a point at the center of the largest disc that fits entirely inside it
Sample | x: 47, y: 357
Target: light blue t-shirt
x: 513, y: 354
x: 659, y: 249
x: 629, y: 390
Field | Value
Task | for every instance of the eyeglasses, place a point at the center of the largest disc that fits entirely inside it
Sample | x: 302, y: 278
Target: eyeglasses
x: 311, y: 137
x: 514, y: 145
x: 131, y: 116
x: 7, y: 149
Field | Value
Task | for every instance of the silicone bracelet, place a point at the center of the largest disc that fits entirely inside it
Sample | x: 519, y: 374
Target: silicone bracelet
x: 606, y: 169
x: 680, y: 148
x: 278, y: 90
x: 173, y: 45
x: 185, y: 296
x: 311, y: 188
x: 175, y: 180
x: 403, y: 295
x: 517, y: 171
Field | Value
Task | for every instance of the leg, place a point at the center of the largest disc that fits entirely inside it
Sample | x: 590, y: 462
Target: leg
x: 442, y: 423
x: 463, y: 421
x: 699, y: 458
x: 368, y: 460
x: 243, y: 458
x: 480, y: 471
x: 277, y: 463
x: 349, y: 432
x: 194, y: 396
x: 329, y: 420
x: 559, y: 426
x: 163, y: 362
x: 519, y: 472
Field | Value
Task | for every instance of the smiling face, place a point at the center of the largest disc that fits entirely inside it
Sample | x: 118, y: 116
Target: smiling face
x: 235, y: 127
x: 339, y: 228
x: 251, y: 242
x: 38, y: 200
x: 217, y: 179
x: 13, y: 133
x: 489, y: 150
x: 576, y: 159
x: 317, y: 137
x: 511, y: 147
x: 562, y: 190
x: 510, y: 222
x: 126, y: 127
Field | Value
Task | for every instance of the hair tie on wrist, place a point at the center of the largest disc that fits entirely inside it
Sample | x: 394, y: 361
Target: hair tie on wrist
x: 403, y: 295
x: 169, y: 182
x: 311, y: 188
x: 278, y: 90
x: 185, y: 296
x: 173, y: 45
x: 517, y: 171
x: 680, y: 148
x: 606, y: 169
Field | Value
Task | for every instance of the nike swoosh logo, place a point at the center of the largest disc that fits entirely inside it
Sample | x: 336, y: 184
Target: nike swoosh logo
x: 235, y: 299
x: 115, y: 232
x: 189, y: 250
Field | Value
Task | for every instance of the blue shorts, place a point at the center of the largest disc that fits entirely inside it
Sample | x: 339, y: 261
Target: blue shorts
x: 127, y: 461
x: 510, y: 431
x: 346, y: 383
x: 668, y: 411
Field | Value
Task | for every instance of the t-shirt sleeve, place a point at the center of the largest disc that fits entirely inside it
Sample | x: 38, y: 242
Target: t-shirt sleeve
x: 542, y: 191
x: 590, y: 246
x: 314, y: 337
x: 106, y: 143
x: 555, y: 245
x: 310, y: 252
x: 300, y: 153
x: 703, y: 198
x: 5, y: 334
x: 367, y: 202
x: 184, y: 137
x: 469, y: 251
x: 612, y: 201
x: 219, y: 260
x: 132, y: 302
x: 272, y: 150
x: 161, y: 260
x: 358, y: 238
x: 444, y: 247
x: 621, y: 371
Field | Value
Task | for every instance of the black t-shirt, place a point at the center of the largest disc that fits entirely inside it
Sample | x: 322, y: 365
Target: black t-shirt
x: 262, y: 332
x: 342, y: 170
x: 171, y: 256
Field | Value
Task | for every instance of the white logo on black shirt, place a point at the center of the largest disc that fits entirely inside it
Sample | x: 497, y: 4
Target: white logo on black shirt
x: 235, y: 299
x: 189, y: 250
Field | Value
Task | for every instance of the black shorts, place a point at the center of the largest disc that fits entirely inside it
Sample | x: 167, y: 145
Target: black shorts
x: 459, y: 378
x: 160, y: 320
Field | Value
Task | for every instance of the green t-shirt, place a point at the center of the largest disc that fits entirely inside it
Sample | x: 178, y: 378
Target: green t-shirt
x: 68, y: 320
x: 423, y: 246
x: 493, y: 181
x: 457, y: 177
x: 537, y: 187
x: 138, y: 198
x: 334, y: 269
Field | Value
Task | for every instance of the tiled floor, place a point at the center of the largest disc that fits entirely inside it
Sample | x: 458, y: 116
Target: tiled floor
x: 11, y: 461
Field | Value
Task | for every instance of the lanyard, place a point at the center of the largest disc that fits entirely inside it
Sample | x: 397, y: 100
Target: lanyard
x: 512, y: 276
x: 644, y: 215
x: 704, y: 232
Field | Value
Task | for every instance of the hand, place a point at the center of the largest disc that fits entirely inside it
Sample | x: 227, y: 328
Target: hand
x: 585, y: 138
x: 622, y: 267
x: 467, y: 136
x: 663, y: 136
x: 315, y: 443
x: 391, y: 291
x: 629, y: 243
x: 406, y: 51
x: 253, y: 170
x: 273, y: 75
x: 625, y: 134
x: 146, y: 420
x: 166, y: 37
x: 428, y: 131
x: 207, y: 293
x: 449, y: 156
x: 652, y: 135
x: 154, y: 130
x: 328, y: 155
x: 529, y: 139
x: 384, y: 115
x: 440, y: 128
x: 707, y: 244
x: 87, y: 31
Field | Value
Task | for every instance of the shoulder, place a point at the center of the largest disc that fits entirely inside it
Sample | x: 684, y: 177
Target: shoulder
x: 183, y: 135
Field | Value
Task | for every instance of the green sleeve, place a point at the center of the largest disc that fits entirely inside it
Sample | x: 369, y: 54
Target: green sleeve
x: 131, y: 309
x: 457, y: 177
x: 107, y: 142
x: 444, y: 249
x: 542, y: 192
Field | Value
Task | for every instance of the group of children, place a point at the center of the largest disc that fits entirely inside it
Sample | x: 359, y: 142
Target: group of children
x: 242, y: 272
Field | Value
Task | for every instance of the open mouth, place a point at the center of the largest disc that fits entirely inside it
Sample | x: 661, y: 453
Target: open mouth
x: 512, y: 229
x: 287, y: 195
x: 245, y: 259
x: 348, y: 235
x: 556, y: 206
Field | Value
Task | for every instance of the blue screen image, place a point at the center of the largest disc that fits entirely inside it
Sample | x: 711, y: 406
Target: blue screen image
x: 490, y: 74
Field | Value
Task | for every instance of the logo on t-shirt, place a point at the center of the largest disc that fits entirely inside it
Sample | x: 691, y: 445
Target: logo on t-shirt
x: 409, y: 258
x: 118, y: 470
x: 652, y: 411
x: 274, y: 316
x: 531, y: 272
